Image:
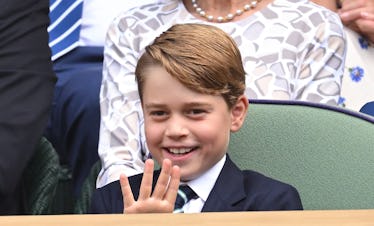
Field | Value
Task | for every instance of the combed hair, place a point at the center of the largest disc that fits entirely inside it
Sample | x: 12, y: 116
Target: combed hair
x: 202, y: 57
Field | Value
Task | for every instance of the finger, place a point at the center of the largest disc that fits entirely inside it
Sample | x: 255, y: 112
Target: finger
x: 353, y: 9
x: 350, y: 16
x: 146, y: 185
x: 163, y: 180
x: 367, y: 16
x: 171, y: 193
x: 128, y: 197
x: 366, y: 28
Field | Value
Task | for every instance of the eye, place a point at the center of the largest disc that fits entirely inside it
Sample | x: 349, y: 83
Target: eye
x: 196, y: 112
x: 157, y: 113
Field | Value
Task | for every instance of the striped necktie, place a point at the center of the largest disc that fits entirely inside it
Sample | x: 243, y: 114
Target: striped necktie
x: 65, y: 16
x: 185, y: 194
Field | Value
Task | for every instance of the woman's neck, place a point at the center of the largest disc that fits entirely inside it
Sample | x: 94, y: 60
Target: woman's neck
x: 222, y: 8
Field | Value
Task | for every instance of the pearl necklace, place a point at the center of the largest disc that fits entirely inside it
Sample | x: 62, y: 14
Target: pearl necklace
x: 226, y: 18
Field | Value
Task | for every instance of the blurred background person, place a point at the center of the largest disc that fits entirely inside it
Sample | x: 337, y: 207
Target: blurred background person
x: 26, y: 90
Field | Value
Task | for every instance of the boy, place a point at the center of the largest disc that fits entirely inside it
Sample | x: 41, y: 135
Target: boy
x: 191, y: 84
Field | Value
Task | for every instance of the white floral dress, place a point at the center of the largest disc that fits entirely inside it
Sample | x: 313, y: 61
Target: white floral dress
x: 358, y: 79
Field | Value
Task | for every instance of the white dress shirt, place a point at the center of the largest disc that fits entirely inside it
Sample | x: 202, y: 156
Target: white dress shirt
x: 202, y: 186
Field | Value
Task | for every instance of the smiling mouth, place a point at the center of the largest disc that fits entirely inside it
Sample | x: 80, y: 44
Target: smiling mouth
x: 180, y: 151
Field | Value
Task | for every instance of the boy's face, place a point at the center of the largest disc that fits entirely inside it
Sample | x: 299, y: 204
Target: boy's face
x: 189, y: 128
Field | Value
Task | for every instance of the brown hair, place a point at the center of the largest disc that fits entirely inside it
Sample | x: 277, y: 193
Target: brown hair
x: 202, y: 57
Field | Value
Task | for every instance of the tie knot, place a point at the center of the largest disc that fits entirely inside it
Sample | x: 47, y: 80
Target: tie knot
x: 185, y: 194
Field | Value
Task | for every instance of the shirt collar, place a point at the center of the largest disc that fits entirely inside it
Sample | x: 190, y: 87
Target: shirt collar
x: 204, y: 183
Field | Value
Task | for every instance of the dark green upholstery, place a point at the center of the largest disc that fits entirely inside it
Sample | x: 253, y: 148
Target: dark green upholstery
x: 40, y: 179
x: 83, y: 203
x: 326, y: 153
x: 46, y: 184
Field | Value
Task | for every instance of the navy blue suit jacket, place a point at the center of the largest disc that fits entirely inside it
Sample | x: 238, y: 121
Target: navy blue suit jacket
x: 234, y: 190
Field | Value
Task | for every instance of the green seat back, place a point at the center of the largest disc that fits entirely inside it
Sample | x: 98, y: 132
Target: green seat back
x: 326, y: 153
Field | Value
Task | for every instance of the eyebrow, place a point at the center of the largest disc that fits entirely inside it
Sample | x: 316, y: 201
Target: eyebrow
x: 190, y: 104
x: 198, y: 104
x: 154, y: 105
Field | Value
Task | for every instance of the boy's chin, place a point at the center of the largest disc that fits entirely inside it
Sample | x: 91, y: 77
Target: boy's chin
x: 187, y: 177
x: 185, y: 180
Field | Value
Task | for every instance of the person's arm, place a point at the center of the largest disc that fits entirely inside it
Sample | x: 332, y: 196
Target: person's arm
x: 284, y: 197
x: 26, y: 86
x: 121, y: 146
x: 321, y: 63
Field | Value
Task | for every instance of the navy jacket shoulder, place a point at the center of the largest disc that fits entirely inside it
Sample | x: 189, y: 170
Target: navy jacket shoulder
x: 234, y: 190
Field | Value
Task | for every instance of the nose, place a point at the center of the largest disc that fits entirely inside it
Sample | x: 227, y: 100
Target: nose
x: 176, y: 127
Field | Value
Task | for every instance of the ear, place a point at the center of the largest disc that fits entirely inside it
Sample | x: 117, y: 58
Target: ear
x: 238, y: 113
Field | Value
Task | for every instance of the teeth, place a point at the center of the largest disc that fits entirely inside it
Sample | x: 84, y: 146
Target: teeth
x: 180, y: 150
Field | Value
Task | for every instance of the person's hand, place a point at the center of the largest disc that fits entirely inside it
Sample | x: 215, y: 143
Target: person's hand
x: 359, y: 16
x: 162, y: 199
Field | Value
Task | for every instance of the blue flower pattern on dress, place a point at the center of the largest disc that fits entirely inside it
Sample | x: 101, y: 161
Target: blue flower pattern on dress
x: 341, y: 101
x: 356, y: 73
x: 363, y: 43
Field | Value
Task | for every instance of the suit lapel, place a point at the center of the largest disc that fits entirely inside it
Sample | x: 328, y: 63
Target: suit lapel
x: 228, y: 190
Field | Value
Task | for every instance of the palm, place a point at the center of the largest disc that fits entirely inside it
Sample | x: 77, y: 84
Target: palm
x: 161, y: 199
